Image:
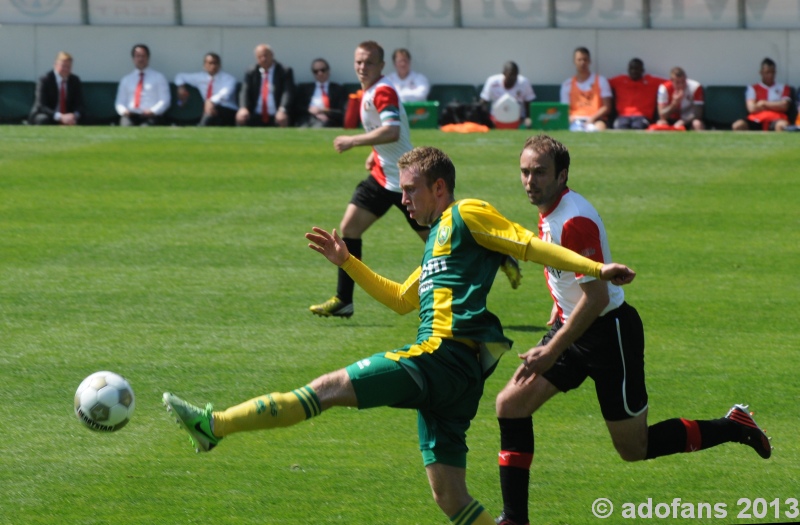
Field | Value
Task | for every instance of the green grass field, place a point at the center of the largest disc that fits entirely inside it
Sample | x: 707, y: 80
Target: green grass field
x: 176, y: 258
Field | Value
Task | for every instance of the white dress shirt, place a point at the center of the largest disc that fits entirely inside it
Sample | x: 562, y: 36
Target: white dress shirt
x: 316, y: 98
x: 155, y: 93
x: 414, y: 88
x: 223, y: 90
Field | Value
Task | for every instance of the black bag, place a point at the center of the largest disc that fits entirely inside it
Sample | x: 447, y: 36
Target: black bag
x: 458, y: 113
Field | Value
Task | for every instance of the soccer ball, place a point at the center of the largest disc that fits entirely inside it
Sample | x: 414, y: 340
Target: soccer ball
x: 104, y: 402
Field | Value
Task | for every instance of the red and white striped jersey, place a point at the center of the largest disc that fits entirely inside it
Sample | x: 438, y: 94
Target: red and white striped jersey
x: 574, y: 223
x: 692, y: 96
x: 773, y: 93
x: 380, y: 106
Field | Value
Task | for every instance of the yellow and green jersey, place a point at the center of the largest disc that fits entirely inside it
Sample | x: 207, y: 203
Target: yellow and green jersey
x: 464, y: 250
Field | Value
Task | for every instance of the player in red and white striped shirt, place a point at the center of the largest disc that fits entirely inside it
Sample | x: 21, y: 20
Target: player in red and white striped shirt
x: 767, y: 102
x: 386, y: 132
x: 595, y: 334
x: 680, y: 101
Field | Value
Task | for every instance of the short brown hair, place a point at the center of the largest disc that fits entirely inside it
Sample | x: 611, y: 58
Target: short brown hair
x: 677, y: 72
x: 431, y: 163
x: 547, y: 145
x: 400, y: 51
x: 372, y: 47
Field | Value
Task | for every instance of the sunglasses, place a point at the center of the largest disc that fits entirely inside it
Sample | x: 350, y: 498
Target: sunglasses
x: 317, y: 71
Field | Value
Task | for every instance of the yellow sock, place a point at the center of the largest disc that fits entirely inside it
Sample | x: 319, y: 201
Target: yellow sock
x: 269, y: 411
x: 472, y: 514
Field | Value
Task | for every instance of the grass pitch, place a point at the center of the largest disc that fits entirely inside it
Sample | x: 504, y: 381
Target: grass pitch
x: 176, y: 257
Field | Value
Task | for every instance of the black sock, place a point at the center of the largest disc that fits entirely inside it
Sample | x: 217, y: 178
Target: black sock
x: 345, y: 285
x: 516, y: 455
x: 683, y: 435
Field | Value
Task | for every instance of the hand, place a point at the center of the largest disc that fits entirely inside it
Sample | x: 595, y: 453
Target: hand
x: 183, y: 93
x: 282, y: 118
x: 331, y: 246
x: 68, y: 119
x: 242, y: 116
x: 553, y: 315
x: 370, y: 162
x: 343, y: 143
x: 209, y: 108
x: 618, y: 274
x: 537, y: 360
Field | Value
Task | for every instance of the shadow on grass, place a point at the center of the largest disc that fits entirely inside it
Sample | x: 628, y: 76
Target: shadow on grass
x: 526, y: 328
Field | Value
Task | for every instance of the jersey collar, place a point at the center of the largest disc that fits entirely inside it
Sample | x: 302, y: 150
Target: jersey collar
x: 555, y: 204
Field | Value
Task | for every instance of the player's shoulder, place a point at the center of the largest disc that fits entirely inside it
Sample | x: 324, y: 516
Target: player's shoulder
x: 494, y: 79
x: 619, y: 79
x: 227, y: 76
x: 471, y: 203
x: 383, y: 88
x: 574, y: 204
x: 470, y: 208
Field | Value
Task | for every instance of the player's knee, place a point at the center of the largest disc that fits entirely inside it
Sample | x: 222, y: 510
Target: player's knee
x: 631, y: 452
x: 450, y: 501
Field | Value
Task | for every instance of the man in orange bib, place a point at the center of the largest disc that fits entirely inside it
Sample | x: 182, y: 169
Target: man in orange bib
x: 587, y: 94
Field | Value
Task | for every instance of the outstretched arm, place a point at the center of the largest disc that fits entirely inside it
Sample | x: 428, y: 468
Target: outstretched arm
x: 380, y: 135
x: 396, y: 296
x: 330, y: 245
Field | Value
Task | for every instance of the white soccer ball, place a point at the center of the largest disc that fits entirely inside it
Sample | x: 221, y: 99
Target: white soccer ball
x: 104, y: 402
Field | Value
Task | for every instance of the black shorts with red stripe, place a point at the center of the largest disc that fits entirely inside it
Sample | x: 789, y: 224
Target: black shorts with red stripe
x: 377, y: 200
x: 611, y: 352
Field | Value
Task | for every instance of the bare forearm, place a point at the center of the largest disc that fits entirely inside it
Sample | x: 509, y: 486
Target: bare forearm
x: 586, y: 311
x: 381, y: 135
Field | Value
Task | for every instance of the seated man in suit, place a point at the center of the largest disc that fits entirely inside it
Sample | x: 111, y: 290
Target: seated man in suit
x: 267, y: 92
x: 59, y: 96
x: 217, y: 88
x: 143, y: 94
x: 320, y: 104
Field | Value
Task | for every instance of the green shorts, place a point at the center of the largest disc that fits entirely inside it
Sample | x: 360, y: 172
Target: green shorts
x: 444, y: 385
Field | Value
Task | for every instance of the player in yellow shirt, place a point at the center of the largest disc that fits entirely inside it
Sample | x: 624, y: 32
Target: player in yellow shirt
x: 458, y: 343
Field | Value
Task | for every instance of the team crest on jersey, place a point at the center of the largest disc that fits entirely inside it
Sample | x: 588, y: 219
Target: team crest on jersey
x: 443, y: 235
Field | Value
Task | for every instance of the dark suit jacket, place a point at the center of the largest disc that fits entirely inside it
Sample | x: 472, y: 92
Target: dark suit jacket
x: 283, y: 88
x: 336, y: 94
x: 47, y: 95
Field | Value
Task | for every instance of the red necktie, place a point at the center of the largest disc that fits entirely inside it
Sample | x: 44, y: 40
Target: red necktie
x: 326, y: 102
x: 62, y: 97
x: 210, y: 90
x: 137, y: 95
x: 264, y: 95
